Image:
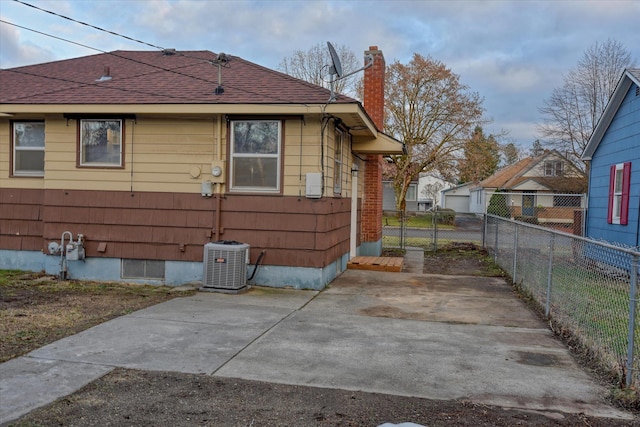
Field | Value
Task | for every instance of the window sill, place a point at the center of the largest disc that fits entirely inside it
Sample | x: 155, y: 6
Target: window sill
x: 26, y: 176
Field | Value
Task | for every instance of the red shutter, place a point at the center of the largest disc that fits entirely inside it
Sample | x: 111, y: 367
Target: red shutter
x: 626, y: 184
x: 612, y: 189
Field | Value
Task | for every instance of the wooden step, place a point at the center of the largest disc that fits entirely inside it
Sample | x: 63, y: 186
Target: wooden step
x: 375, y: 263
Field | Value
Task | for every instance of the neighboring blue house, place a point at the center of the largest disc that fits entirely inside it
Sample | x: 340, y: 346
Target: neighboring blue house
x: 614, y: 171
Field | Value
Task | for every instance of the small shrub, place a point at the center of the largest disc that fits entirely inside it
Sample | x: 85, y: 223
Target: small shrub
x: 498, y: 205
x: 446, y: 216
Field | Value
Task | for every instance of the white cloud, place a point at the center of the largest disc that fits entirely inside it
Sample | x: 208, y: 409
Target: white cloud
x: 512, y: 52
x: 17, y: 52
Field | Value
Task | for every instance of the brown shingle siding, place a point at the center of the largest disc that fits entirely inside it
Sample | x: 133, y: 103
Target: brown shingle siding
x: 302, y: 232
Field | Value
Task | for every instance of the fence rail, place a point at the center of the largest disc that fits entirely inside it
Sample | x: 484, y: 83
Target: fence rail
x: 588, y: 289
x: 430, y: 230
x: 562, y: 212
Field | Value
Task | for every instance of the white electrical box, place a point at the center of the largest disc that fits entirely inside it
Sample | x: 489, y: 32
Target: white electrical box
x: 314, y: 185
x: 206, y: 189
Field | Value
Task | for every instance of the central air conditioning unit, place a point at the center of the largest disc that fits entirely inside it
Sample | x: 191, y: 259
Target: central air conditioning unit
x: 225, y: 266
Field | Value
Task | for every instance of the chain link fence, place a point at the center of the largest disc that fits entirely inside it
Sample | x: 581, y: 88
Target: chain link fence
x: 562, y: 212
x: 437, y: 227
x: 586, y: 288
x: 429, y: 230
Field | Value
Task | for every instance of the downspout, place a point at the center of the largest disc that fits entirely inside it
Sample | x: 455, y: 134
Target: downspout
x: 354, y: 210
x: 218, y: 229
x: 218, y: 207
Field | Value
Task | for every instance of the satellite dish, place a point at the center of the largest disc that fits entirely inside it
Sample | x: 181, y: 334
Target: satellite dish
x: 336, y: 68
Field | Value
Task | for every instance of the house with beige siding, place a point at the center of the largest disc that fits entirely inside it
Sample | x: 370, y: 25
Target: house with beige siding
x: 546, y: 187
x: 147, y: 156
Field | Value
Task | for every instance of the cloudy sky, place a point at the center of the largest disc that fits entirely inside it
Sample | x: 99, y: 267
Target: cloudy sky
x: 513, y: 53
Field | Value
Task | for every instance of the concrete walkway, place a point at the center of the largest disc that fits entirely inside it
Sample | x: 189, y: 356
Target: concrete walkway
x: 438, y: 337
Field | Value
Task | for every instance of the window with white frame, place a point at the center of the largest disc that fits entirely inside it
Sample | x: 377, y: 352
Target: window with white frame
x: 412, y: 193
x: 101, y: 142
x: 255, y: 155
x: 553, y: 168
x: 619, y: 185
x: 28, y: 148
x: 337, y: 168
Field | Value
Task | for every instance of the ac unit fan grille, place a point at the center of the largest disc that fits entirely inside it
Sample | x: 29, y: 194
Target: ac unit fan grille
x: 225, y: 266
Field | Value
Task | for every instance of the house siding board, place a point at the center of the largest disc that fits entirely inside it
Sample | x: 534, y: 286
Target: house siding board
x: 161, y: 152
x: 618, y: 145
x: 294, y: 231
x: 20, y: 218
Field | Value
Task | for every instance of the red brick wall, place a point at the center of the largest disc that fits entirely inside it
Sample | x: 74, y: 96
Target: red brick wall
x: 374, y: 87
x: 372, y: 203
x: 374, y: 104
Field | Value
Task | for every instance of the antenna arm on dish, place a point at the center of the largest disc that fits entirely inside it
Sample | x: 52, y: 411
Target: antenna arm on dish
x: 367, y: 65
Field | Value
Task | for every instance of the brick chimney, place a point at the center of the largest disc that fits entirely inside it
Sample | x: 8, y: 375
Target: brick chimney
x: 371, y: 238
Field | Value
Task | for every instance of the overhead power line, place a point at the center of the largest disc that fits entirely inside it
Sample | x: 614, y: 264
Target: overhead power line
x: 52, y: 36
x: 128, y: 90
x: 89, y: 25
x: 115, y: 54
x: 104, y: 30
x: 124, y: 57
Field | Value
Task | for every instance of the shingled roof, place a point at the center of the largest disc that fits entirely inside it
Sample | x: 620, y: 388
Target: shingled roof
x: 513, y: 175
x: 506, y: 177
x: 154, y: 77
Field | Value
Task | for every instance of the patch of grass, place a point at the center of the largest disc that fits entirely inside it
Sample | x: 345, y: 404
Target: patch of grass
x: 36, y: 309
x: 419, y: 221
x: 417, y: 242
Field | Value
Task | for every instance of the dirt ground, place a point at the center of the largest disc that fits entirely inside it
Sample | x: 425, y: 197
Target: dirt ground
x: 37, y: 309
x: 139, y: 398
x: 136, y: 398
x: 460, y: 259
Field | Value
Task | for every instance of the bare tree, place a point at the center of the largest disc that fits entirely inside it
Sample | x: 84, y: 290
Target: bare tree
x: 432, y: 113
x: 432, y: 191
x: 573, y: 110
x: 313, y: 65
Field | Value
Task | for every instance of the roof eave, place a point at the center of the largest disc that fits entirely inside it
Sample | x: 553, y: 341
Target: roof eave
x: 379, y: 144
x: 221, y: 108
x: 610, y: 110
x: 351, y: 114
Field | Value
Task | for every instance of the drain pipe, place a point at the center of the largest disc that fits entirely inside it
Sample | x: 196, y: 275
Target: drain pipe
x: 354, y: 211
x: 218, y: 207
x: 218, y: 188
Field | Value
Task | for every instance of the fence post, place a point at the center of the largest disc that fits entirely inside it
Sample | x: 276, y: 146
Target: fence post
x: 495, y: 248
x: 403, y: 225
x: 484, y: 230
x: 515, y: 253
x: 632, y: 320
x: 547, y: 308
x: 435, y: 230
